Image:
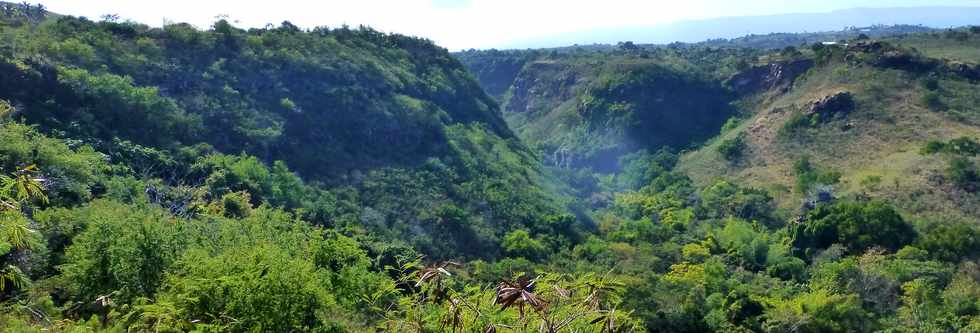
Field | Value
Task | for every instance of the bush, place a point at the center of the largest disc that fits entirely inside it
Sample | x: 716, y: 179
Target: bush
x: 951, y: 241
x: 797, y: 122
x: 963, y: 146
x: 72, y: 172
x: 871, y: 181
x: 642, y: 167
x: 933, y: 101
x: 808, y: 176
x: 123, y: 252
x: 932, y: 147
x: 730, y: 125
x: 963, y: 173
x: 250, y: 289
x: 520, y: 244
x: 791, y: 269
x: 732, y: 149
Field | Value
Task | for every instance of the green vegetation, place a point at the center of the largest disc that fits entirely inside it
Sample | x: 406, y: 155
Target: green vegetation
x: 731, y: 149
x: 856, y: 226
x: 965, y: 146
x: 961, y: 170
x: 809, y: 176
x: 964, y: 173
x: 933, y: 101
x: 583, y: 108
x: 346, y: 180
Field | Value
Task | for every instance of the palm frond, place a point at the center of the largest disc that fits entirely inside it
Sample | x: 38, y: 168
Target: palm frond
x: 14, y: 230
x: 13, y: 276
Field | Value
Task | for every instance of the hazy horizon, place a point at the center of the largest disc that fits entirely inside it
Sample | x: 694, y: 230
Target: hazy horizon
x: 739, y: 26
x: 465, y: 24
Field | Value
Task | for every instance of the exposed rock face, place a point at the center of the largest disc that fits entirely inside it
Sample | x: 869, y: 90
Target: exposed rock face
x: 763, y: 78
x: 838, y: 103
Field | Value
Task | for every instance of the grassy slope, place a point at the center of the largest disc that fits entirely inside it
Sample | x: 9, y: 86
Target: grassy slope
x: 957, y: 45
x: 889, y: 126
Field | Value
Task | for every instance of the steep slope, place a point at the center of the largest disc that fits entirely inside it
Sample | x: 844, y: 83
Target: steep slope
x: 394, y: 118
x: 586, y: 109
x: 366, y: 99
x: 900, y: 102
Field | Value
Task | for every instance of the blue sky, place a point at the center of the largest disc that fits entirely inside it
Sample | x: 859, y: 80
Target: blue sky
x: 461, y: 24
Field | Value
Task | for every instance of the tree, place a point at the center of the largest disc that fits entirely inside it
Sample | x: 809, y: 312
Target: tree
x: 818, y: 312
x: 856, y: 225
x: 519, y: 243
x: 724, y: 199
x: 121, y: 255
x: 951, y: 241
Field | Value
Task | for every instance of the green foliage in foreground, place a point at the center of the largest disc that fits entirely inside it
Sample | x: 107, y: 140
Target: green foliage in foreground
x: 666, y: 257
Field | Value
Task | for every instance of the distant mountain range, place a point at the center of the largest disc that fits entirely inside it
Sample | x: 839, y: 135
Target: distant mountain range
x: 732, y: 27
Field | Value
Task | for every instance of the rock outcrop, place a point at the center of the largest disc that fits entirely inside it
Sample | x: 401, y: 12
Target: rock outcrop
x: 768, y: 77
x: 830, y: 105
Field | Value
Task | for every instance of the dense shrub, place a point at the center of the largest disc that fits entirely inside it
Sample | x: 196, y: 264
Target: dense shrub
x: 122, y: 254
x: 724, y: 199
x: 963, y: 172
x: 856, y: 225
x: 951, y: 241
x: 732, y: 149
x: 797, y: 122
x: 965, y: 146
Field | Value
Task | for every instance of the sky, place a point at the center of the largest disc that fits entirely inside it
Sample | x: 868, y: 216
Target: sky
x: 462, y: 24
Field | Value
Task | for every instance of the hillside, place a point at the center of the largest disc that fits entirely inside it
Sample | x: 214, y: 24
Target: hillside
x: 856, y: 157
x: 551, y: 98
x: 583, y: 108
x: 365, y: 132
x: 281, y: 179
x: 273, y: 134
x: 903, y: 101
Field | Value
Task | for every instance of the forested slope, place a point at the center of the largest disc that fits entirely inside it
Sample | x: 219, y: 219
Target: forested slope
x: 239, y: 180
x: 346, y: 108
